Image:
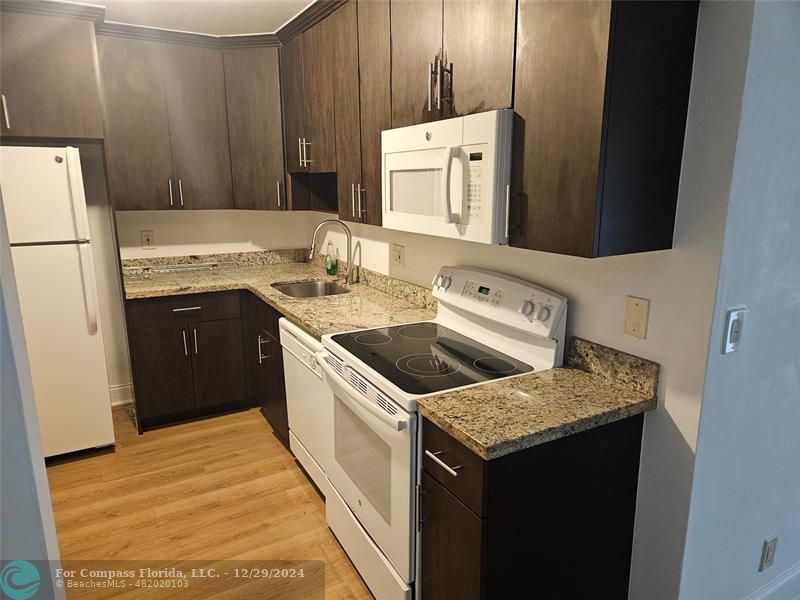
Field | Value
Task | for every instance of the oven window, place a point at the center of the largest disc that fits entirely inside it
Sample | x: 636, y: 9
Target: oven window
x: 416, y: 192
x: 365, y: 457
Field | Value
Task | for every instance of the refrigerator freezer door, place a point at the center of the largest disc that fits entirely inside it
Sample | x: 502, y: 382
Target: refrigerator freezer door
x: 68, y: 363
x: 43, y: 195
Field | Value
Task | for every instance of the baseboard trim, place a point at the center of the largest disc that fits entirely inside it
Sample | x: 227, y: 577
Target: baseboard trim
x: 121, y: 394
x: 785, y: 587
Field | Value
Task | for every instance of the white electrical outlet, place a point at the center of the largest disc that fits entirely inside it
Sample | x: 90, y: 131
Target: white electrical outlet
x: 398, y: 256
x: 637, y: 312
x: 148, y: 239
x: 734, y: 324
x: 768, y: 548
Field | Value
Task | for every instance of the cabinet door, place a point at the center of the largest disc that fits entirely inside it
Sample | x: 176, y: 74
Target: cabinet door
x: 319, y: 71
x: 138, y: 155
x: 48, y: 76
x: 271, y: 386
x: 198, y: 125
x: 252, y: 85
x: 347, y: 117
x: 292, y: 94
x: 162, y: 371
x: 452, y: 545
x: 562, y: 49
x: 374, y: 62
x: 216, y: 349
x: 416, y: 42
x: 479, y: 42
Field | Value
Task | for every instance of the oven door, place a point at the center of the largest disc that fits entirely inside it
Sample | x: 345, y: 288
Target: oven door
x: 373, y: 467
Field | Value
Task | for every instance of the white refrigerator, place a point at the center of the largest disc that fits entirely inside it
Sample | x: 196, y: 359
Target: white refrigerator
x: 51, y: 249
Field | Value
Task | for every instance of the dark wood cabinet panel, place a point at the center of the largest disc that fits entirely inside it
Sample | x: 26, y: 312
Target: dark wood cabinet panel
x: 162, y: 371
x: 137, y: 146
x: 195, y: 90
x: 252, y: 84
x: 347, y: 115
x: 48, y: 76
x: 319, y: 73
x: 374, y: 61
x: 562, y: 49
x: 601, y: 94
x: 479, y: 43
x: 218, y: 364
x: 292, y: 94
x: 451, y: 545
x: 416, y: 39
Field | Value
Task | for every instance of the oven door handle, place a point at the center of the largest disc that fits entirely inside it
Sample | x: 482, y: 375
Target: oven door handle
x: 447, y: 212
x: 356, y: 402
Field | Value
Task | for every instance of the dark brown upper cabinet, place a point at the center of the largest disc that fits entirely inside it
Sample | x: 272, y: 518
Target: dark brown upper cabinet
x: 166, y: 119
x: 198, y: 125
x: 450, y: 58
x: 137, y: 147
x: 307, y: 78
x: 374, y: 63
x: 348, y: 113
x: 48, y: 75
x: 252, y: 83
x: 601, y: 95
x: 416, y: 40
x: 479, y: 44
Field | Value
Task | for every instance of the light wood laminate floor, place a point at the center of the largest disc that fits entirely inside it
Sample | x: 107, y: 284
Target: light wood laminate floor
x: 218, y: 489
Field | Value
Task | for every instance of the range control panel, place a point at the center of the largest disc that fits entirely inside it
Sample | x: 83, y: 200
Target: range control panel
x: 501, y: 298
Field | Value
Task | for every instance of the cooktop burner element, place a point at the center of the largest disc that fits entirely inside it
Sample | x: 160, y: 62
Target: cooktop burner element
x: 424, y: 358
x: 426, y: 365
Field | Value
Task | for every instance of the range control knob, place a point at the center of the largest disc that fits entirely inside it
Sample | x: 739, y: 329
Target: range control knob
x: 526, y: 308
x: 544, y: 313
x: 445, y: 282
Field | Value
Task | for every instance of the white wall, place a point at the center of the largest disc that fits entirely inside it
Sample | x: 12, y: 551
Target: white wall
x: 184, y: 232
x: 747, y: 471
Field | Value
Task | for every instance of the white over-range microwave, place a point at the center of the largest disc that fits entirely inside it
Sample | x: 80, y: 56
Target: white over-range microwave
x: 450, y: 178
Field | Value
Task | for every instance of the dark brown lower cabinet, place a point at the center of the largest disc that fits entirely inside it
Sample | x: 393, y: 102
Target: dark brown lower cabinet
x: 550, y: 522
x: 187, y: 357
x: 264, y: 360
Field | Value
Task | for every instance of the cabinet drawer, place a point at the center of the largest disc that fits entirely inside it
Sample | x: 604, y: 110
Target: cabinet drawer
x: 192, y: 308
x: 455, y: 466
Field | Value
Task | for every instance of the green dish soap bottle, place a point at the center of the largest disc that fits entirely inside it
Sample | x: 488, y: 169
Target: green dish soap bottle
x: 330, y: 262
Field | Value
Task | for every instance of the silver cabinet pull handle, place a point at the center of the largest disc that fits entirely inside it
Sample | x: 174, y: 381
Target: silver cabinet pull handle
x: 429, y: 83
x: 508, y: 208
x: 306, y: 160
x: 5, y: 111
x: 171, y: 199
x: 180, y: 191
x: 194, y: 331
x: 361, y: 210
x: 185, y: 347
x: 300, y: 151
x: 434, y: 456
x: 187, y: 308
x: 261, y: 356
x: 353, y: 200
x: 279, y: 192
x: 438, y: 84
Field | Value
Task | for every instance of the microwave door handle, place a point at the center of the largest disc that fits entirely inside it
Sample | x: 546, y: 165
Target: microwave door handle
x: 447, y: 213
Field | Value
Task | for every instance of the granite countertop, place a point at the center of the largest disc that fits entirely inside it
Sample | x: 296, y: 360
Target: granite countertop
x: 598, y: 385
x: 363, y: 307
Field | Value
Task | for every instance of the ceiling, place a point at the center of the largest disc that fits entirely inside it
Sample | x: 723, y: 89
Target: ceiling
x: 215, y: 17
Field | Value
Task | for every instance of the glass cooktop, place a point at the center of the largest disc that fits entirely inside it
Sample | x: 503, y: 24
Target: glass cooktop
x: 425, y: 357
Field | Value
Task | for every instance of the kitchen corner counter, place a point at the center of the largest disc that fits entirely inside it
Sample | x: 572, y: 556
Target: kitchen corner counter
x: 597, y: 386
x: 363, y: 307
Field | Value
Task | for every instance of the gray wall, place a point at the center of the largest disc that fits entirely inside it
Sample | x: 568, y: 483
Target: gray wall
x: 747, y: 470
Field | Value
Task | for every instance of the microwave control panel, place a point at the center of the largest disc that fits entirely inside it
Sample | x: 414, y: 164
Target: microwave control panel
x: 474, y: 195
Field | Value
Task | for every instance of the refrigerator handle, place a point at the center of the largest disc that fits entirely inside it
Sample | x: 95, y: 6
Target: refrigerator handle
x: 89, y: 286
x: 75, y: 177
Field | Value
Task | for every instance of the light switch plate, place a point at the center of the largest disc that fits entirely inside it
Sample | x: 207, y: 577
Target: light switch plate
x: 148, y: 239
x: 398, y: 257
x: 637, y: 312
x: 734, y: 329
x: 768, y: 548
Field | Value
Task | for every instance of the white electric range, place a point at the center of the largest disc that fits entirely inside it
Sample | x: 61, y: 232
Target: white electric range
x: 488, y: 326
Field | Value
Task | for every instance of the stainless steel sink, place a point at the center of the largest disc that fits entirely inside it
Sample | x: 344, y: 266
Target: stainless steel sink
x: 310, y: 289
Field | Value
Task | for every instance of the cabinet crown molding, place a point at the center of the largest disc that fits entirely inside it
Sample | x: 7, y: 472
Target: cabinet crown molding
x: 75, y: 10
